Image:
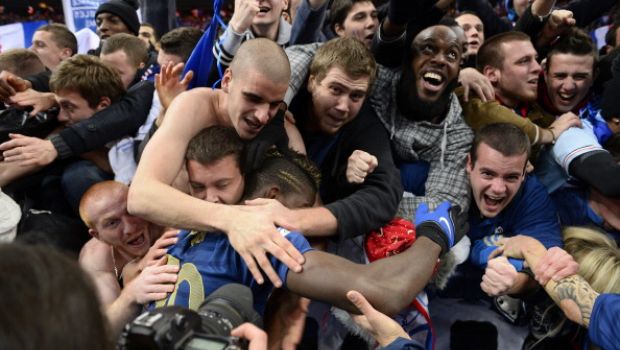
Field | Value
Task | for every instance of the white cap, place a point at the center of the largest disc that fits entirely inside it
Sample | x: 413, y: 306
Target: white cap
x: 10, y: 214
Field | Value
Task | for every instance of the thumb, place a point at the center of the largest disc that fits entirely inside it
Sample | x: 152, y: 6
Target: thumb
x: 360, y: 302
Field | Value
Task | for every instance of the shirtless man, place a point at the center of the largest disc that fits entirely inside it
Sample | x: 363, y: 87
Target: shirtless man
x: 252, y: 92
x: 118, y: 237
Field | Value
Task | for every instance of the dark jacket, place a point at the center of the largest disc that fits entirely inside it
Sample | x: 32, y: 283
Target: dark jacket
x: 118, y: 120
x: 359, y: 209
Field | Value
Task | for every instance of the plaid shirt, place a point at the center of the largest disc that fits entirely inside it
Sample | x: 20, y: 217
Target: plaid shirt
x: 444, y: 146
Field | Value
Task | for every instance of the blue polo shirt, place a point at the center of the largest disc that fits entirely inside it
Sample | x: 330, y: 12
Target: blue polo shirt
x: 208, y: 261
x: 531, y: 213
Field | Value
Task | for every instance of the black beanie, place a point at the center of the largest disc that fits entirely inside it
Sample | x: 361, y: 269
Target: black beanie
x: 125, y: 10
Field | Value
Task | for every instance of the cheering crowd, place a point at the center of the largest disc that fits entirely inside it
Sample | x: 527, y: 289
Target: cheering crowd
x: 403, y: 175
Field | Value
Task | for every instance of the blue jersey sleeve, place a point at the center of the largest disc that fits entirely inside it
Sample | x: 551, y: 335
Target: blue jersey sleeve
x: 604, y: 329
x: 482, y: 248
x: 299, y: 241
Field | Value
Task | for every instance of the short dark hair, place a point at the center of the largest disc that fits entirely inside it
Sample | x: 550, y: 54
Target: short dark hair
x: 290, y: 171
x: 215, y: 143
x: 577, y: 43
x: 21, y: 62
x: 339, y: 10
x: 491, y: 53
x: 180, y: 41
x: 62, y: 36
x: 46, y: 297
x: 155, y: 33
x: 507, y: 139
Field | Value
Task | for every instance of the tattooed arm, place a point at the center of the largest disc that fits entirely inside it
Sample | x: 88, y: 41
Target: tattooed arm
x: 575, y: 297
x: 556, y: 271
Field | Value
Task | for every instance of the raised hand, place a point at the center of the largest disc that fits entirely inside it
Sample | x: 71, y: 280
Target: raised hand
x: 245, y: 11
x: 169, y: 83
x: 360, y: 165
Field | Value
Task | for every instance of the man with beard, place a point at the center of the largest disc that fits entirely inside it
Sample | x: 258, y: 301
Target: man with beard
x: 417, y: 106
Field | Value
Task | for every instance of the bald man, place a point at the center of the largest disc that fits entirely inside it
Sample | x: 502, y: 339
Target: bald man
x: 118, y: 237
x: 252, y: 91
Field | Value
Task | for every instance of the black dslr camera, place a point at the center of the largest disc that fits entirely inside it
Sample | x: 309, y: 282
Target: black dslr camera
x: 175, y: 327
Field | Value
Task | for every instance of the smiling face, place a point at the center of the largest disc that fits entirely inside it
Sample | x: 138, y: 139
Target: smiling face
x: 253, y: 99
x: 218, y: 182
x: 436, y: 61
x: 113, y: 225
x: 269, y: 12
x: 495, y: 179
x: 336, y: 99
x: 361, y: 23
x: 569, y: 79
x: 474, y: 31
x: 517, y: 79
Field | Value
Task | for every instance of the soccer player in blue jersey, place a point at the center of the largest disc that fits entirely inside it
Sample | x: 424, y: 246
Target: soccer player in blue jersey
x: 207, y: 260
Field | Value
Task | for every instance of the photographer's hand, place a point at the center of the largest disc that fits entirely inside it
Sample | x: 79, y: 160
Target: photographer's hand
x: 382, y: 327
x: 256, y: 336
x: 28, y: 151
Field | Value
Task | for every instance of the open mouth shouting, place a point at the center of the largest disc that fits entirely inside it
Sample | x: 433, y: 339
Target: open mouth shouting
x: 493, y: 204
x: 263, y: 10
x: 433, y: 81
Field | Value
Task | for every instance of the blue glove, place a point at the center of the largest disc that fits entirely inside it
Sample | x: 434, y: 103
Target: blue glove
x: 444, y: 226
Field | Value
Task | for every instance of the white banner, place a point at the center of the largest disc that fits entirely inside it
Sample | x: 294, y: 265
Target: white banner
x: 80, y: 14
x: 18, y: 35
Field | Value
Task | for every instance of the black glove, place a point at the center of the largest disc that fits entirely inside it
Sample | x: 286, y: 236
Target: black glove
x: 400, y: 11
x: 444, y: 226
x: 272, y: 134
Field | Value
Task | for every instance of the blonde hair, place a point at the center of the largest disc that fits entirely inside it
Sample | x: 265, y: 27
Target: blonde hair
x: 598, y: 257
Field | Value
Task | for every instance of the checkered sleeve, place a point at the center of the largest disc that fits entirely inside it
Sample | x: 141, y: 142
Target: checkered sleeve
x: 448, y: 182
x: 300, y: 57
